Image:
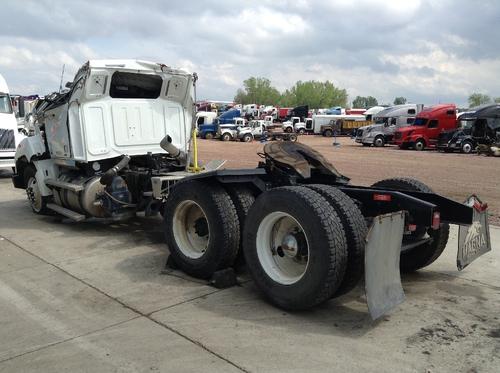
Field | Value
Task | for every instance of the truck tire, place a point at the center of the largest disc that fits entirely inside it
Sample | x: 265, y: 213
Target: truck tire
x: 301, y: 131
x: 209, y: 136
x: 243, y: 198
x: 226, y: 137
x: 201, y: 227
x: 467, y: 147
x: 355, y: 229
x: 328, y: 133
x: 247, y: 137
x: 293, y: 137
x: 379, y: 141
x: 419, y: 145
x: 289, y: 130
x: 37, y: 202
x: 423, y: 255
x: 295, y: 247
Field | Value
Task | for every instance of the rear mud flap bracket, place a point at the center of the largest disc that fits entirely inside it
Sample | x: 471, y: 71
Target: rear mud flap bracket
x: 382, y: 278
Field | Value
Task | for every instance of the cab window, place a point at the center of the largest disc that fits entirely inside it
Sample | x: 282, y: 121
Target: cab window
x: 5, y: 104
x: 433, y: 124
x: 132, y: 85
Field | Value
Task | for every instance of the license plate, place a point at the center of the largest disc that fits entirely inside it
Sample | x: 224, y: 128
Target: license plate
x: 473, y: 240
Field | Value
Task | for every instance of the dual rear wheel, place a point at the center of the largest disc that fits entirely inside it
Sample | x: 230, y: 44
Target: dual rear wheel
x: 302, y: 245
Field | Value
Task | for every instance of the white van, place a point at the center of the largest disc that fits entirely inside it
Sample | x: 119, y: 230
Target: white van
x: 9, y: 136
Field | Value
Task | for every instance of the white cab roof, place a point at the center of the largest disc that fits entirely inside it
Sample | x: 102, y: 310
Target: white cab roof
x: 137, y: 65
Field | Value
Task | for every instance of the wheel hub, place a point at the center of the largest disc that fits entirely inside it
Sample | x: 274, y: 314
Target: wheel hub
x: 290, y: 246
x: 282, y: 248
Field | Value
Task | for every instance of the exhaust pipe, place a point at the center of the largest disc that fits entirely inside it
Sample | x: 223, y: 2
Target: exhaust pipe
x: 174, y: 151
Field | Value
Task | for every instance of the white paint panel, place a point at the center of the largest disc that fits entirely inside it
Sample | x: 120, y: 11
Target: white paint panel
x: 75, y: 132
x: 95, y: 130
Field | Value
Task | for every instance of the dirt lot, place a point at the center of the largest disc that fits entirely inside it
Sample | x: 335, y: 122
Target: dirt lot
x: 453, y: 175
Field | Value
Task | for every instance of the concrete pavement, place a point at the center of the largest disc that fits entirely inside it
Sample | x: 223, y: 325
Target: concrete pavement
x: 93, y: 297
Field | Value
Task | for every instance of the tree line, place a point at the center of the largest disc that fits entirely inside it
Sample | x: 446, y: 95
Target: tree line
x: 318, y: 95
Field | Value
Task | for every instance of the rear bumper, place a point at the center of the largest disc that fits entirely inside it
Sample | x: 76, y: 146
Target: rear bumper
x: 7, y: 162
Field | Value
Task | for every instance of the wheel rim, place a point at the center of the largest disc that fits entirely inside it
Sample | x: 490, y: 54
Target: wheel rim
x: 419, y: 145
x: 282, y: 248
x: 467, y: 148
x: 247, y: 138
x: 191, y: 229
x: 379, y: 142
x: 226, y: 137
x: 34, y: 195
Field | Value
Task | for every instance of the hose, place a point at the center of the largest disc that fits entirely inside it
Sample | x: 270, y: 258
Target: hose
x: 107, y: 177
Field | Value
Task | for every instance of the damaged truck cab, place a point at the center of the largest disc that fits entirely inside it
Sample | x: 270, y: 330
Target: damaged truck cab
x: 112, y: 109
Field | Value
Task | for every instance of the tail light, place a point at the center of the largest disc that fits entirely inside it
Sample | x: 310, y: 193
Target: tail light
x: 382, y: 197
x: 436, y: 220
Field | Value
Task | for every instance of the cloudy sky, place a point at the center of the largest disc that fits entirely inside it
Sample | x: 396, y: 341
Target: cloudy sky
x: 427, y: 51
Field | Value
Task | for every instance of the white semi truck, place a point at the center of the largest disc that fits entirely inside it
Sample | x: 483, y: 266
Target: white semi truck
x: 120, y: 141
x: 386, y: 123
x: 9, y: 134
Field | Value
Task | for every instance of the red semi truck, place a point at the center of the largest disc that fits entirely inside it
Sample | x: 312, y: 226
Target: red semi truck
x: 429, y: 123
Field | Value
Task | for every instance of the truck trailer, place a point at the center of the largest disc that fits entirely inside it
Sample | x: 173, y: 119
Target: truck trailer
x: 121, y: 141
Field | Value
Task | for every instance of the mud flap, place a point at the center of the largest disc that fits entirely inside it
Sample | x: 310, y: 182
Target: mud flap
x: 383, y: 248
x: 473, y: 240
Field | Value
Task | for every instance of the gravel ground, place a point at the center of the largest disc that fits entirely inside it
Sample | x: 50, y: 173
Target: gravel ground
x: 453, y: 175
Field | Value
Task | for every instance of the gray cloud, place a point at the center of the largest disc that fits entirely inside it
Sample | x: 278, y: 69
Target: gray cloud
x: 426, y: 50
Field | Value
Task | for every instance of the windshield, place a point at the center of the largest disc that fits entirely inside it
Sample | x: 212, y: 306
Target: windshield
x: 5, y: 105
x: 465, y: 123
x: 420, y: 122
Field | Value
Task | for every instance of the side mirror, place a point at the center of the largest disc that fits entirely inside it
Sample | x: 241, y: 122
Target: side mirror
x: 68, y: 84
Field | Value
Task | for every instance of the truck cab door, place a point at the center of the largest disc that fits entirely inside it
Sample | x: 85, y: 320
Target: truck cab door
x: 433, y: 129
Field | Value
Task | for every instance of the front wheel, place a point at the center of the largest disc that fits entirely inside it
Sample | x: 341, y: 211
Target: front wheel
x: 37, y: 202
x: 247, y: 138
x: 226, y: 137
x: 292, y: 138
x: 295, y: 247
x: 419, y: 145
x: 467, y: 147
x: 209, y: 136
x: 379, y: 141
x: 328, y: 133
x: 288, y: 130
x: 301, y: 131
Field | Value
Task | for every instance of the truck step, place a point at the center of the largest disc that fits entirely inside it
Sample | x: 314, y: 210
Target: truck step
x: 64, y: 185
x: 66, y: 212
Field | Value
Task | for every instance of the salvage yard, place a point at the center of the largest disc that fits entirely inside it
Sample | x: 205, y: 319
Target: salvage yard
x: 453, y: 175
x: 97, y: 294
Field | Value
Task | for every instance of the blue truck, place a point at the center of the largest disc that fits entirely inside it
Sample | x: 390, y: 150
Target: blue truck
x: 208, y: 131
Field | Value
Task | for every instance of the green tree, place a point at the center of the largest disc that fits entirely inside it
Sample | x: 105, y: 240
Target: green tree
x: 476, y: 99
x: 497, y: 100
x: 257, y: 91
x: 361, y: 102
x: 314, y: 94
x: 400, y: 100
